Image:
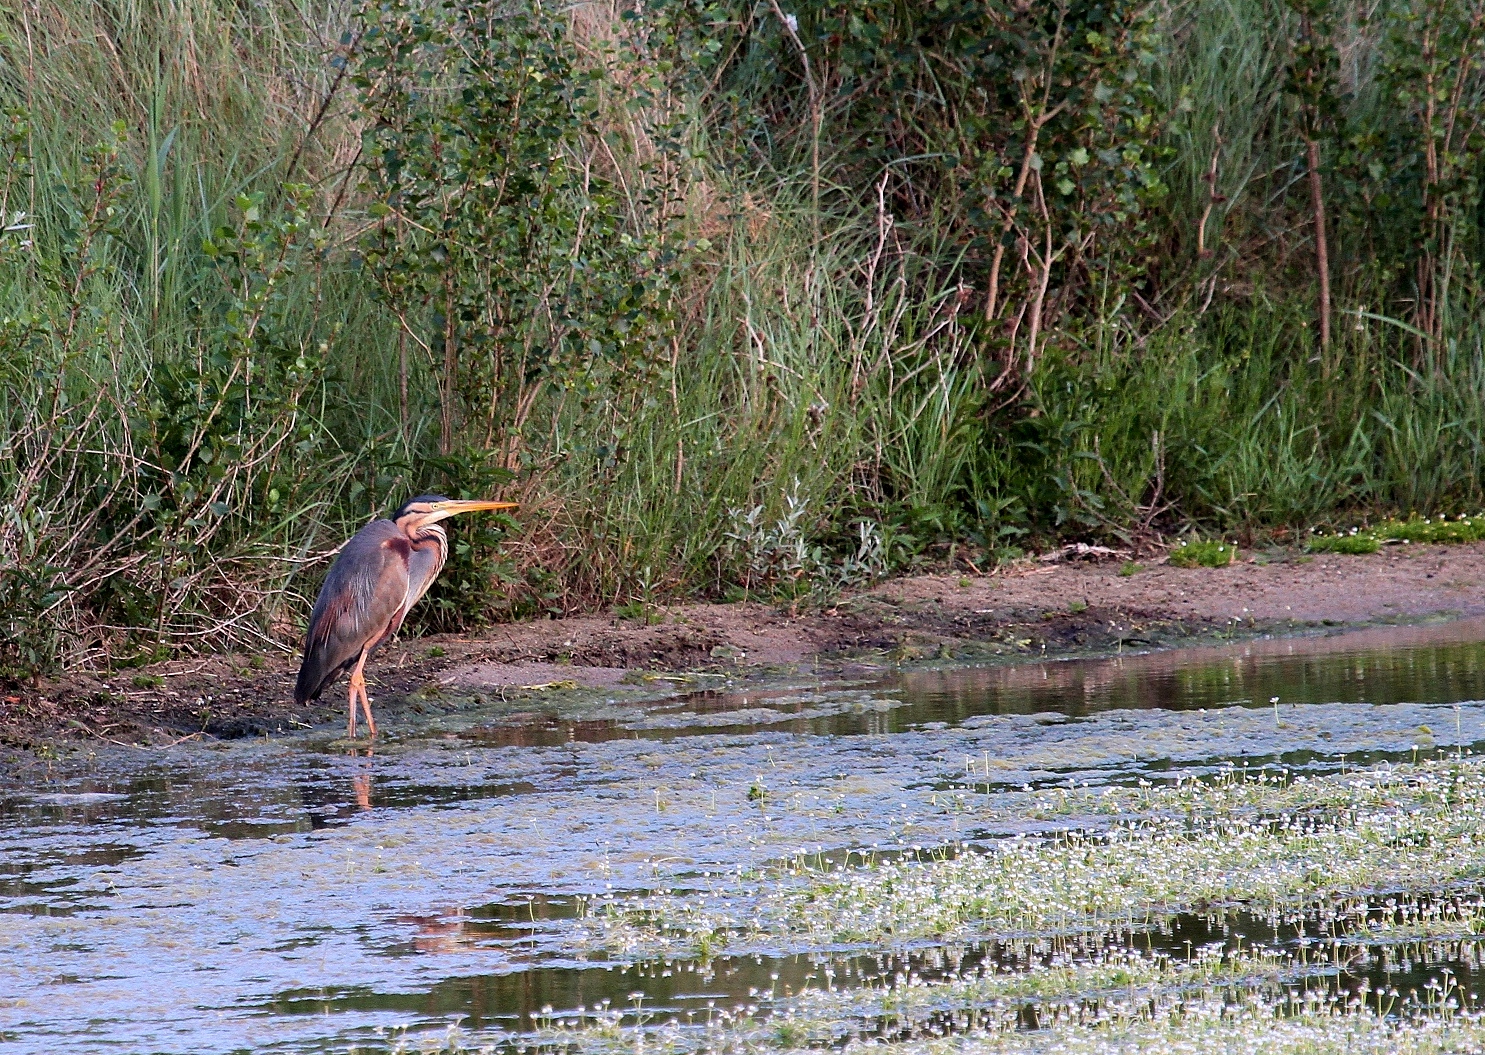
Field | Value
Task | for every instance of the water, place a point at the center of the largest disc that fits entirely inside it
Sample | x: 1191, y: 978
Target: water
x: 287, y: 895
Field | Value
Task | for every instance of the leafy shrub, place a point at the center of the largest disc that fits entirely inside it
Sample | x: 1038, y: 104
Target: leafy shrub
x: 780, y: 559
x: 502, y: 245
x: 1025, y: 135
x: 135, y: 485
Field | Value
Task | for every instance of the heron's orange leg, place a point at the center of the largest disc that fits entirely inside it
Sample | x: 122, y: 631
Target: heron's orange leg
x: 358, y: 688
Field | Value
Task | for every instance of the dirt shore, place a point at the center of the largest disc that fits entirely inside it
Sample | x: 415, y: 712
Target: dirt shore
x: 1029, y: 608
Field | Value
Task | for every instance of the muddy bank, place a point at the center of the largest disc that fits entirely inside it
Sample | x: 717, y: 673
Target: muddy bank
x: 1028, y: 609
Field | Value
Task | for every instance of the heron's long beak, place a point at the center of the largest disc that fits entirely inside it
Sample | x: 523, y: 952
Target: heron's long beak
x: 443, y: 510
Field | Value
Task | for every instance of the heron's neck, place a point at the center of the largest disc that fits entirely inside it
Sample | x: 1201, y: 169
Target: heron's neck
x: 430, y: 537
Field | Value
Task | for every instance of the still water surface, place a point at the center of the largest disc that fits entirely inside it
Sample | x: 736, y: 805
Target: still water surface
x: 289, y: 895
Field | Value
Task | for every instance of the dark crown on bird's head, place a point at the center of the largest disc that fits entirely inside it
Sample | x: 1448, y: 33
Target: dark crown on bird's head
x: 412, y: 504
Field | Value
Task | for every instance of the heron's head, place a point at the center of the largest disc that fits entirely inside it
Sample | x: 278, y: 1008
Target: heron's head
x: 427, y: 510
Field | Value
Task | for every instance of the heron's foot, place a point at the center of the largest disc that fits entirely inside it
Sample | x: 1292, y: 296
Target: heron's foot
x: 366, y: 707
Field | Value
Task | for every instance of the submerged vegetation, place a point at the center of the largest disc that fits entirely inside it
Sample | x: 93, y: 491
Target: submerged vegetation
x: 1204, y: 1019
x: 739, y: 299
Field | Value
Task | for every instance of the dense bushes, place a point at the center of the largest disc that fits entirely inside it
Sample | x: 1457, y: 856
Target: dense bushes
x: 735, y: 296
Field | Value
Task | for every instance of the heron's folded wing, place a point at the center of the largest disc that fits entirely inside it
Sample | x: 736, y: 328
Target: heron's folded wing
x: 366, y: 588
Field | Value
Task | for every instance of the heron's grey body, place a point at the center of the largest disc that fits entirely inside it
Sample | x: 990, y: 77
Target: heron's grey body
x: 379, y: 575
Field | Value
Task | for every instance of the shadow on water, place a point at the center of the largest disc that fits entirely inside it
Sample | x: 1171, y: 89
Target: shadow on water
x: 1442, y: 663
x: 288, y: 895
x: 1433, y: 664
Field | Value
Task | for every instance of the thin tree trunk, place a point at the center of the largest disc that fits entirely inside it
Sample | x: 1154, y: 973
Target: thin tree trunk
x: 402, y: 380
x: 450, y: 371
x: 790, y: 27
x: 1427, y: 264
x: 675, y: 406
x: 992, y: 291
x: 1322, y: 250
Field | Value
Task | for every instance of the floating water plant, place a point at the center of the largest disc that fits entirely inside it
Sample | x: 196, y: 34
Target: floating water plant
x: 1265, y: 845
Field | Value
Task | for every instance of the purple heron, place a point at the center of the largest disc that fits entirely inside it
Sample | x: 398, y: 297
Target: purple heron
x: 380, y: 574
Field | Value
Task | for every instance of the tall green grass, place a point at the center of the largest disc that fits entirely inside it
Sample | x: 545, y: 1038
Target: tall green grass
x: 1256, y: 432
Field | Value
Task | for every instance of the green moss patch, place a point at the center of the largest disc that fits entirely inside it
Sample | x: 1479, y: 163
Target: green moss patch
x: 1438, y: 530
x: 1358, y: 543
x: 1203, y: 553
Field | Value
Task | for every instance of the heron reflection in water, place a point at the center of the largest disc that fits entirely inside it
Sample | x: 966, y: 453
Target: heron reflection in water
x: 361, y: 781
x: 380, y: 574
